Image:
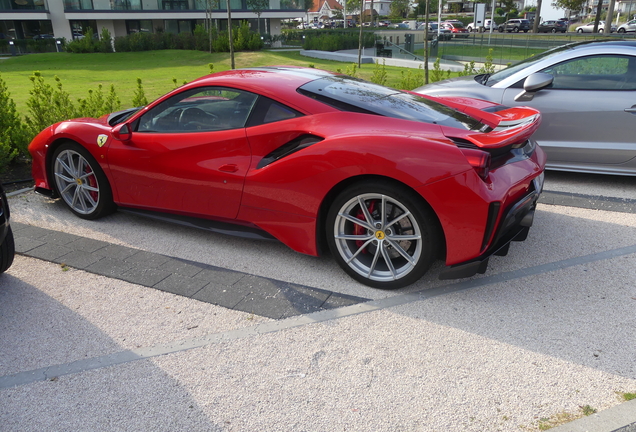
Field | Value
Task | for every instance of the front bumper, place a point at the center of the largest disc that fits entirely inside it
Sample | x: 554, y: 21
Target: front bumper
x: 514, y: 226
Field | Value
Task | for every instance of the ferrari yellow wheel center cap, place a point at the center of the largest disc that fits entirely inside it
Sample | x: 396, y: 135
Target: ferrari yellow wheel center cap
x: 79, y: 181
x: 379, y: 235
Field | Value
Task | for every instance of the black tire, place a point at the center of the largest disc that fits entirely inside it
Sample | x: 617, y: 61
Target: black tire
x: 579, y: 31
x: 622, y: 30
x: 7, y: 251
x: 388, y: 252
x: 80, y: 182
x: 516, y: 29
x: 554, y: 30
x: 600, y: 30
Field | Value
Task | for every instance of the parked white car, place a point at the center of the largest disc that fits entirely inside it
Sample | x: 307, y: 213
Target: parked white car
x: 589, y: 27
x: 628, y: 27
x: 471, y: 27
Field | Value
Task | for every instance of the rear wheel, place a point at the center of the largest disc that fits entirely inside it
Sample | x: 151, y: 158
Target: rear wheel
x: 382, y: 235
x: 81, y: 183
x: 553, y: 30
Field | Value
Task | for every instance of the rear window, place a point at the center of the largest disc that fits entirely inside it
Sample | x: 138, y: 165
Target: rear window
x: 351, y: 94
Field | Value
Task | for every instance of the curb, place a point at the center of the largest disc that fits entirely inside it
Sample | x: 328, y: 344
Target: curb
x: 620, y: 418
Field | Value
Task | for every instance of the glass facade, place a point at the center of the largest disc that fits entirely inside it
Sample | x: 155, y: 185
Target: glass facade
x: 20, y: 5
x: 19, y: 29
x: 193, y: 5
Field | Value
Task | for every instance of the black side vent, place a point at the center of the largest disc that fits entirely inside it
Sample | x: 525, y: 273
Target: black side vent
x: 462, y: 143
x: 291, y: 147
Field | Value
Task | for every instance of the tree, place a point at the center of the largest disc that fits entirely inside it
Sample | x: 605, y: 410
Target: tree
x: 507, y: 7
x: 571, y: 5
x: 399, y: 9
x: 258, y: 6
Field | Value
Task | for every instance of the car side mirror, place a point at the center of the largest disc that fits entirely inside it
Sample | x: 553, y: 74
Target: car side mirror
x: 122, y: 132
x: 533, y: 84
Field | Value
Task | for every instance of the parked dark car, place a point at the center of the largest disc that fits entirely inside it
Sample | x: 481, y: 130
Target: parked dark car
x: 434, y: 32
x: 7, y: 246
x: 552, y: 26
x: 515, y: 26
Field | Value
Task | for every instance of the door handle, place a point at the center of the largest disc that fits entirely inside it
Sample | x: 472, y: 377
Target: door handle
x: 228, y: 168
x: 631, y: 110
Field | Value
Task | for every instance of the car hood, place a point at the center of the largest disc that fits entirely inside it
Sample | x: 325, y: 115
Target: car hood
x: 463, y: 86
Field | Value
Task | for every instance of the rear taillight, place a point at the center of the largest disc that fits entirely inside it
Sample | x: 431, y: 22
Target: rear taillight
x: 479, y: 160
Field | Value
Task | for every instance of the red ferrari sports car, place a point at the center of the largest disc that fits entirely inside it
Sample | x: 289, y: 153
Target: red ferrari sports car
x: 387, y: 180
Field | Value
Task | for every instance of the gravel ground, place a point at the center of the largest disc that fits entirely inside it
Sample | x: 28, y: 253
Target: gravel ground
x: 549, y: 329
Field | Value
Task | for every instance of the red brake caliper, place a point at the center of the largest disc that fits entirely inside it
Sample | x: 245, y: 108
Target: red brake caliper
x: 360, y: 230
x: 92, y: 182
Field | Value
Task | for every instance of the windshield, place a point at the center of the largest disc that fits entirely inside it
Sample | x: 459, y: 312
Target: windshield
x: 509, y: 71
x: 351, y: 94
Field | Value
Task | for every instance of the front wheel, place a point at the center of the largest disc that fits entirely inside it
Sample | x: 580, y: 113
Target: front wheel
x: 383, y: 236
x: 81, y: 183
x: 554, y: 30
x: 621, y: 30
x: 7, y: 251
x: 579, y: 31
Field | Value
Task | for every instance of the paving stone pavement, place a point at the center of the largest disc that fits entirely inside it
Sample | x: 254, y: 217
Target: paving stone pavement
x: 231, y: 289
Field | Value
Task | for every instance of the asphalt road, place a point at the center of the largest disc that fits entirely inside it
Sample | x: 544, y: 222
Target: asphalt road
x: 548, y: 331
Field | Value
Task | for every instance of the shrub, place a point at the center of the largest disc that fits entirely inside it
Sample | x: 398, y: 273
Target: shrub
x: 97, y: 104
x: 139, y: 97
x: 13, y: 134
x: 379, y: 75
x: 46, y: 104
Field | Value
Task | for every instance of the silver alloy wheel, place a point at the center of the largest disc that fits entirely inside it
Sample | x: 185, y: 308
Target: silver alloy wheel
x: 76, y: 182
x: 378, y: 237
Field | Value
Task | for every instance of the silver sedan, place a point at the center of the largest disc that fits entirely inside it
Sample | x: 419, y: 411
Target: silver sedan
x: 586, y: 93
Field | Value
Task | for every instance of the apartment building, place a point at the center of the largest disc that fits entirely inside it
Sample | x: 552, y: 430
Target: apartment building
x: 26, y: 19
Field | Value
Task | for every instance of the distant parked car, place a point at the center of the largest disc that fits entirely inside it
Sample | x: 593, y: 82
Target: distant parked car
x: 444, y: 33
x: 456, y: 28
x: 589, y: 27
x: 585, y: 92
x: 471, y: 27
x: 552, y: 26
x: 515, y: 26
x: 627, y: 27
x: 7, y: 245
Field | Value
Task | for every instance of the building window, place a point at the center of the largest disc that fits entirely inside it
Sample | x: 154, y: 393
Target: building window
x: 174, y: 4
x: 78, y: 5
x: 139, y: 26
x: 79, y: 28
x: 178, y: 26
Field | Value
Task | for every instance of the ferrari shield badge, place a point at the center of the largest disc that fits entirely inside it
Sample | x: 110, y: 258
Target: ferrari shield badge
x: 101, y: 140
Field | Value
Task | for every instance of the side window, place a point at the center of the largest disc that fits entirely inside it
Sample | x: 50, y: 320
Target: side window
x: 200, y: 110
x: 269, y: 111
x: 602, y: 72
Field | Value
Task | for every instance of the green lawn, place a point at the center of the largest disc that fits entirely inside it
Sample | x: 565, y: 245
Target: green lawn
x: 81, y: 72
